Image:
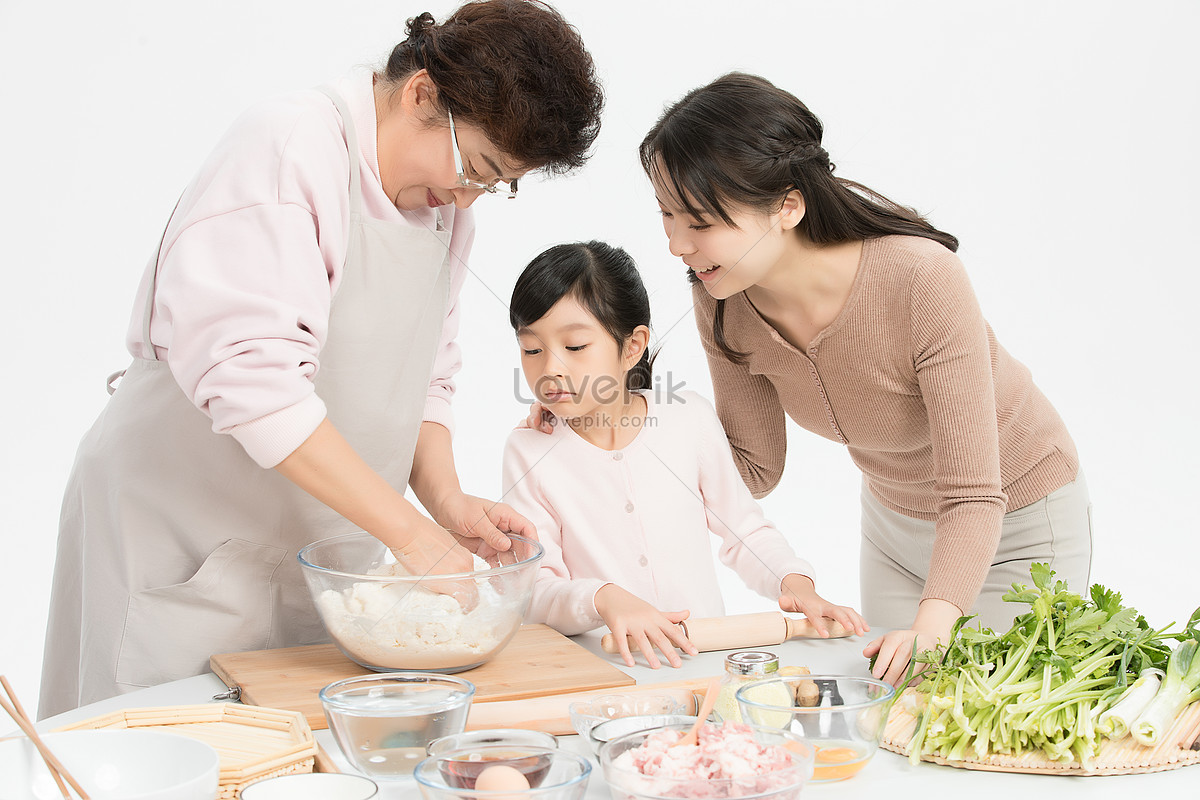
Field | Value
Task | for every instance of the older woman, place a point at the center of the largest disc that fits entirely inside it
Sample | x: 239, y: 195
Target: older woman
x: 293, y: 345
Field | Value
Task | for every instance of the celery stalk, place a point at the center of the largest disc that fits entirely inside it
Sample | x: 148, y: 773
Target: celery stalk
x: 1114, y: 723
x: 1179, y: 688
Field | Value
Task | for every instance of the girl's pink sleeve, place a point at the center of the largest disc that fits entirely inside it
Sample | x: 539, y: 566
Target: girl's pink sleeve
x: 563, y: 603
x: 750, y: 544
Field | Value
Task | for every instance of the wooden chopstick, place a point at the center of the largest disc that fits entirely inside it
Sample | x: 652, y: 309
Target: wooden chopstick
x: 26, y: 724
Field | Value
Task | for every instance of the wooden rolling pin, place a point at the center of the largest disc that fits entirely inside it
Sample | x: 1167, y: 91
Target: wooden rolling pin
x: 551, y: 713
x: 741, y: 631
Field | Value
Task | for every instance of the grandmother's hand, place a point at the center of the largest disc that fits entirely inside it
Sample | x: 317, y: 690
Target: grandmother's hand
x: 473, y: 518
x: 428, y: 550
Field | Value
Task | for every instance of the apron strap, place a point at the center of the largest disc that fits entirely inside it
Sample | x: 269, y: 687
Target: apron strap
x: 351, y: 149
x: 149, y: 310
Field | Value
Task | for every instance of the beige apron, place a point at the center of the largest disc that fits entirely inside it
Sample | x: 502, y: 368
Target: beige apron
x: 173, y: 544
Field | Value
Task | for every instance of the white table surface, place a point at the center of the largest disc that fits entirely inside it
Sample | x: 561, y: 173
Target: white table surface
x: 887, y: 775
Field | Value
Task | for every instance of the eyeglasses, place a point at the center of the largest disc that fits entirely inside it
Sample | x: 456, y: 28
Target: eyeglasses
x: 509, y: 187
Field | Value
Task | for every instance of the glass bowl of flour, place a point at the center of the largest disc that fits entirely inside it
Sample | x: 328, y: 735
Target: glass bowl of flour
x: 388, y: 620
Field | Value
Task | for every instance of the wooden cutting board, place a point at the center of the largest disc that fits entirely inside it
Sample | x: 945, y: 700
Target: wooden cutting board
x: 1123, y: 757
x: 538, y: 661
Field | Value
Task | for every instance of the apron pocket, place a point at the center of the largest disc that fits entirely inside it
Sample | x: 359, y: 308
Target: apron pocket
x: 172, y: 631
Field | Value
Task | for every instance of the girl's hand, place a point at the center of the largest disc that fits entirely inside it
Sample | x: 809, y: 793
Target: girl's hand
x: 799, y: 595
x: 540, y: 418
x: 473, y: 518
x: 892, y: 651
x: 627, y: 615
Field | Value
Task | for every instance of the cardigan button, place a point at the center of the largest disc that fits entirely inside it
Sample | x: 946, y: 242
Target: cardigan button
x: 629, y: 508
x: 617, y: 456
x: 643, y: 561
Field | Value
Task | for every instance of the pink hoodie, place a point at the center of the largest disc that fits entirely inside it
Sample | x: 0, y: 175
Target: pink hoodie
x: 252, y: 259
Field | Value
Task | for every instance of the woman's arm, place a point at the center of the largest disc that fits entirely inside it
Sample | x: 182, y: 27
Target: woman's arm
x: 328, y: 468
x: 749, y: 410
x: 434, y: 480
x: 952, y: 358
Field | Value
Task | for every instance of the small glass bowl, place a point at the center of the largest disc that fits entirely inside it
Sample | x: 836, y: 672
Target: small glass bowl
x: 587, y: 714
x: 844, y: 727
x: 610, y: 729
x: 493, y: 737
x: 383, y: 723
x: 552, y: 774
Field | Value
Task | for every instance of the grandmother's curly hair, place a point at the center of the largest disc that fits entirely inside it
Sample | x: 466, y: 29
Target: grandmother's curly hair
x: 516, y: 70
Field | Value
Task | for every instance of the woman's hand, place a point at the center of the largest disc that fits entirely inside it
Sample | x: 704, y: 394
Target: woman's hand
x: 798, y: 594
x: 473, y: 517
x: 892, y: 651
x: 628, y: 615
x: 465, y: 524
x: 429, y: 549
x: 540, y: 418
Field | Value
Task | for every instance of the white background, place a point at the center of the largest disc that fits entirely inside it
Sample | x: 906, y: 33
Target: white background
x: 1057, y: 141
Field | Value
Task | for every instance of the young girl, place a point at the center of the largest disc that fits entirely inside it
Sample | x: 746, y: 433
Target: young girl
x: 626, y: 486
x: 818, y: 298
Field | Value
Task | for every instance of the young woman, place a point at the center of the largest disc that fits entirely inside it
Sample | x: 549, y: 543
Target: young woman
x: 293, y: 344
x: 817, y: 298
x: 626, y: 489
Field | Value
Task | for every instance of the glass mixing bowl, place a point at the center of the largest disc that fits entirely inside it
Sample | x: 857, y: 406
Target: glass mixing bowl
x: 389, y: 621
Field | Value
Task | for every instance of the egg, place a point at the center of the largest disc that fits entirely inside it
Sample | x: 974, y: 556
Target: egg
x: 502, y: 778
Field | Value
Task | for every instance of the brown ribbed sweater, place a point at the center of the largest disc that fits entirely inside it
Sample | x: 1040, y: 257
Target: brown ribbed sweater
x: 943, y: 422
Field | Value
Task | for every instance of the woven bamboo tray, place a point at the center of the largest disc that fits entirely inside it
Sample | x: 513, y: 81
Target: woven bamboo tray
x: 252, y: 742
x: 1123, y: 757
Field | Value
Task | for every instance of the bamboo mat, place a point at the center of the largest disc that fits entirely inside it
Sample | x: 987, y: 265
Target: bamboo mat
x: 1123, y: 757
x: 253, y: 743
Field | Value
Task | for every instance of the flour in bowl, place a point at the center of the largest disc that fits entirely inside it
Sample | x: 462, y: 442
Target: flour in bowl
x: 402, y: 626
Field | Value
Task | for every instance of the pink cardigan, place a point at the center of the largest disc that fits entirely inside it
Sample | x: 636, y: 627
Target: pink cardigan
x: 252, y: 260
x: 641, y: 516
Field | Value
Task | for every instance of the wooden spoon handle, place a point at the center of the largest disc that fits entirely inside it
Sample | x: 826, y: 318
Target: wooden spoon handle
x: 710, y: 700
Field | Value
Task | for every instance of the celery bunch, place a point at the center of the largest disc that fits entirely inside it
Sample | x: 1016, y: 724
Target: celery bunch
x: 1043, y: 684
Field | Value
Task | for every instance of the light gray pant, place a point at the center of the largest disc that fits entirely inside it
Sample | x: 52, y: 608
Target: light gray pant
x: 896, y: 550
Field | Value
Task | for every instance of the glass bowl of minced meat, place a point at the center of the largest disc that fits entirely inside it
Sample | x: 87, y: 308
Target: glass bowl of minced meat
x: 730, y: 760
x: 389, y: 620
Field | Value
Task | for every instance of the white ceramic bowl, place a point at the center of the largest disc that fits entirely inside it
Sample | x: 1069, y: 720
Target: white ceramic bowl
x: 312, y: 786
x: 110, y: 764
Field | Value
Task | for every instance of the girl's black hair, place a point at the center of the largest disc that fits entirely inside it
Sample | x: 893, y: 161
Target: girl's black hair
x: 743, y: 141
x: 604, y: 279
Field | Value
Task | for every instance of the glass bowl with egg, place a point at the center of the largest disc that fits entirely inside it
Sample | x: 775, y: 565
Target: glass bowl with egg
x: 490, y: 772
